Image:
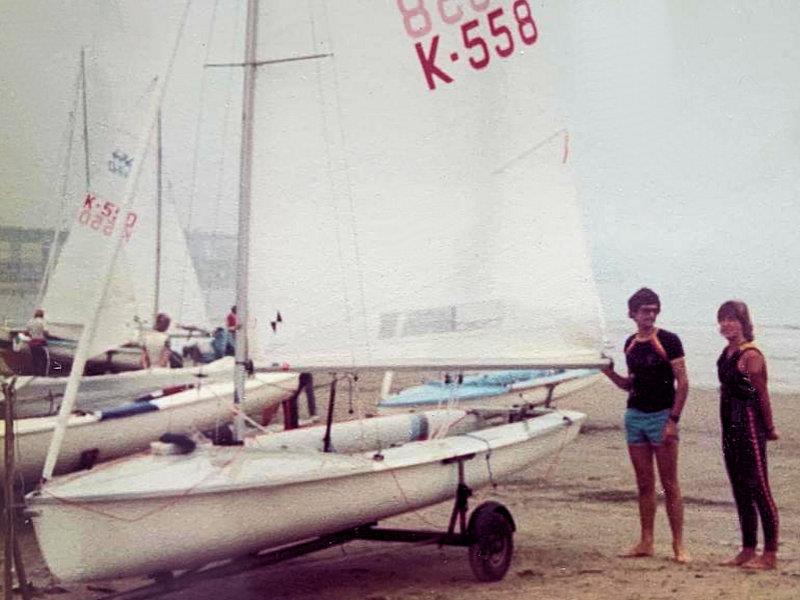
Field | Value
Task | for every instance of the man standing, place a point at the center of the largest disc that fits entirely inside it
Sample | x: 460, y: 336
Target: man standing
x: 37, y: 331
x: 657, y: 387
x: 155, y: 343
x: 232, y: 324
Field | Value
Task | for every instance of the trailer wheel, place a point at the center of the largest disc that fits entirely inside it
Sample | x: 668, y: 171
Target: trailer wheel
x: 493, y: 545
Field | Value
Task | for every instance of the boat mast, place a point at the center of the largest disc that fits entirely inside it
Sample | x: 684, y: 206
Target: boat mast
x: 85, y: 120
x: 87, y: 334
x: 245, y: 176
x: 157, y: 288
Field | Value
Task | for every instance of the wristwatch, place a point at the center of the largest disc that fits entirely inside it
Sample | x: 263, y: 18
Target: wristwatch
x: 674, y: 418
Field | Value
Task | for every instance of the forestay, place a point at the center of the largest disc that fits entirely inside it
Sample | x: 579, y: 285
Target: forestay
x: 413, y: 203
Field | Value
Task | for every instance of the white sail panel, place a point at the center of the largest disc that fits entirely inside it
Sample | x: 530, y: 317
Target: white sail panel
x: 116, y: 115
x: 411, y: 208
x: 179, y: 291
x: 101, y: 216
x: 181, y: 296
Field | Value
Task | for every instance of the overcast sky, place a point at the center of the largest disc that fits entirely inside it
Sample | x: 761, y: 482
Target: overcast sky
x: 685, y: 120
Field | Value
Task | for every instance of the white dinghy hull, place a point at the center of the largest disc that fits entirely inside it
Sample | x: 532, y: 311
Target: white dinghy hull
x: 161, y: 513
x: 38, y: 396
x: 197, y: 409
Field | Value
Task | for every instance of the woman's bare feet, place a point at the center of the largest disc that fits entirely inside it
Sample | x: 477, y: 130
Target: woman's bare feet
x: 745, y: 555
x: 765, y: 562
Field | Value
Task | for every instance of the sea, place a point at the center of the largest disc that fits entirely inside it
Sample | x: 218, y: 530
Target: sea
x: 702, y: 344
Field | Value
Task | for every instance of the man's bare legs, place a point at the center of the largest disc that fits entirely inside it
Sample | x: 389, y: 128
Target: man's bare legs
x: 666, y: 457
x: 667, y: 461
x: 642, y: 460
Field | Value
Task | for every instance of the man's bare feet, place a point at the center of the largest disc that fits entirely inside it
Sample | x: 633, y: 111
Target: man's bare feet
x: 640, y: 550
x: 681, y: 556
x: 765, y: 562
x: 745, y: 555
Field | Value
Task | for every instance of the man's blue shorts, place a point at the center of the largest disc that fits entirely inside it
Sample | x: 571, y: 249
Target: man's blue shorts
x: 645, y: 427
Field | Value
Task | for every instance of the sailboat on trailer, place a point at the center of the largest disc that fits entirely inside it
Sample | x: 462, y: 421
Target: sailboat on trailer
x: 152, y: 285
x: 412, y: 207
x: 129, y: 410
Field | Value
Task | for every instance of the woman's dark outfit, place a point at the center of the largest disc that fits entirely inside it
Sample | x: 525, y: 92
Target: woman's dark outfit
x: 744, y: 446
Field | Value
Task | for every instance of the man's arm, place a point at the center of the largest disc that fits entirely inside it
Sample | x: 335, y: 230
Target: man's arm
x: 618, y: 380
x: 681, y: 392
x: 756, y: 368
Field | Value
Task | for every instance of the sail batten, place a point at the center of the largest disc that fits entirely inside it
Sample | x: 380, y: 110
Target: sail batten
x: 403, y: 220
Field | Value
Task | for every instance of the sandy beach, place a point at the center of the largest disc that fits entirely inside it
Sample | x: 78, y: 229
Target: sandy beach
x: 574, y: 512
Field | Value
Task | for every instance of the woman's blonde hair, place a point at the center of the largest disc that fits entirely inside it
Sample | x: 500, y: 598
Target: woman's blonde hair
x: 736, y: 309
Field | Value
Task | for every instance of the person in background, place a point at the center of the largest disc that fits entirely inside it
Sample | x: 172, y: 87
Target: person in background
x: 657, y: 387
x: 37, y: 331
x: 155, y: 343
x: 231, y: 325
x: 747, y: 424
x: 219, y: 342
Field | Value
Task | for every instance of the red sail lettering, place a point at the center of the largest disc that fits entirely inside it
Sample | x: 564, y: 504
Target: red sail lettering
x: 428, y: 62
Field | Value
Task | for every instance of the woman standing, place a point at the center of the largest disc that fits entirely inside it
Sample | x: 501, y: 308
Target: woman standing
x: 746, y: 416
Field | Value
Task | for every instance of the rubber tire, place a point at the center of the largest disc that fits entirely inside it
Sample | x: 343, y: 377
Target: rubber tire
x: 490, y: 553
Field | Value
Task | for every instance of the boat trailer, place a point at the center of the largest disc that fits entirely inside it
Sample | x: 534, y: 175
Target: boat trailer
x: 488, y: 535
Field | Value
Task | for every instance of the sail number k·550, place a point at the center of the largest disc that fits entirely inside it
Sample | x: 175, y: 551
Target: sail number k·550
x: 492, y: 32
x: 102, y: 216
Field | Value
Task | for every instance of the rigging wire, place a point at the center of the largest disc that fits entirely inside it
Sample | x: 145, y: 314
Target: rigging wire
x: 221, y: 168
x: 348, y: 184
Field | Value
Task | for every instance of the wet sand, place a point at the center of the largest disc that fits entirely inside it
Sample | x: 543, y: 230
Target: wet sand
x: 574, y: 512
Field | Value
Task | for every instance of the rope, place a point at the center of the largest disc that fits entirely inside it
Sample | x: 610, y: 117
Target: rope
x: 488, y: 457
x: 556, y: 460
x: 408, y: 502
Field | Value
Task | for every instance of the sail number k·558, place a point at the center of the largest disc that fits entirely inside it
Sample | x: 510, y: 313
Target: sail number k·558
x: 491, y: 32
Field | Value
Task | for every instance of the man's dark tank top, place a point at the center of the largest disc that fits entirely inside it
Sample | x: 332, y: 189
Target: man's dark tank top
x: 737, y: 392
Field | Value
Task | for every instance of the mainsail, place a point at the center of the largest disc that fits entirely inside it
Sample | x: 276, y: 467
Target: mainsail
x: 95, y: 223
x: 413, y: 201
x: 99, y: 220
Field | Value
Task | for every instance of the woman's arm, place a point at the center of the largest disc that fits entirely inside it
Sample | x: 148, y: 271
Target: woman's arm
x: 752, y: 363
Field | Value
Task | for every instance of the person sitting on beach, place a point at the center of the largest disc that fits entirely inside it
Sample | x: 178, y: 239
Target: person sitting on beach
x: 656, y: 364
x: 746, y: 416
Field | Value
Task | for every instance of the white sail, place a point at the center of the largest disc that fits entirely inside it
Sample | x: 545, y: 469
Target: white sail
x: 180, y: 295
x: 401, y: 219
x: 98, y: 221
x: 134, y: 274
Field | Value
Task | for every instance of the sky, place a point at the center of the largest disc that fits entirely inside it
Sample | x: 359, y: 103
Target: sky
x: 684, y: 121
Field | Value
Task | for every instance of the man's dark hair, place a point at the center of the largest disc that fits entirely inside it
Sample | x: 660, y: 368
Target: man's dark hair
x: 641, y: 297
